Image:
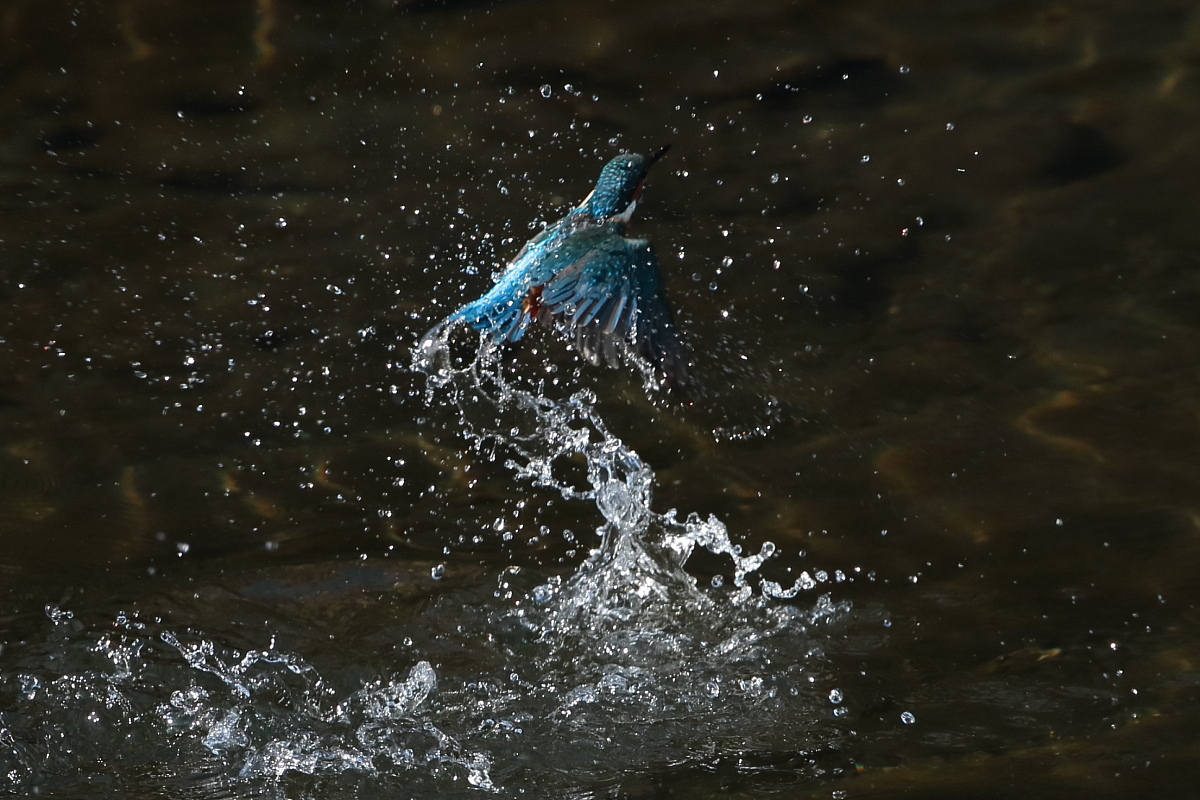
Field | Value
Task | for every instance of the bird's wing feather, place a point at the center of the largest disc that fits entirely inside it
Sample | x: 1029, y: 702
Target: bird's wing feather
x: 612, y: 304
x: 501, y: 311
x: 505, y: 310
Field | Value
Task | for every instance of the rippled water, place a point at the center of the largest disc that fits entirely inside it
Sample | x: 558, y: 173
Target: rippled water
x: 935, y: 486
x: 612, y: 668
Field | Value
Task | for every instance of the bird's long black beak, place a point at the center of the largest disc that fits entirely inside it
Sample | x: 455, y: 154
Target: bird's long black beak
x: 655, y: 155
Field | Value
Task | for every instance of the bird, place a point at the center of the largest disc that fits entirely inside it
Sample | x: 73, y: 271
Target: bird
x: 585, y: 277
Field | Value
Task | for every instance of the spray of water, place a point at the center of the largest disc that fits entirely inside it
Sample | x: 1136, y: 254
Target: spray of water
x: 642, y: 552
x: 628, y: 641
x: 634, y: 585
x: 622, y: 664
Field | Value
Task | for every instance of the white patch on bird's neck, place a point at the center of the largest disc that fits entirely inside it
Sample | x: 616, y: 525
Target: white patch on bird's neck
x: 625, y: 215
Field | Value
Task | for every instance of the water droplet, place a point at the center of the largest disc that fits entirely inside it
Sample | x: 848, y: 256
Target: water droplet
x: 479, y: 778
x: 547, y: 90
x: 438, y: 572
x: 835, y: 696
x: 57, y: 615
x: 907, y: 718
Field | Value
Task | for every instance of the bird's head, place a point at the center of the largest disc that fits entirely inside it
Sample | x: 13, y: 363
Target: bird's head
x: 620, y: 185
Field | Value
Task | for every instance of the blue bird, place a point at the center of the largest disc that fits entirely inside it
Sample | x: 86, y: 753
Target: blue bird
x: 585, y: 277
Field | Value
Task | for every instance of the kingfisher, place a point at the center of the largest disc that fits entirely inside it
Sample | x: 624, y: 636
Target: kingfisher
x: 585, y: 277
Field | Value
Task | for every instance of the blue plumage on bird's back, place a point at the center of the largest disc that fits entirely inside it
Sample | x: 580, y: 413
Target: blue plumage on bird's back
x: 585, y: 278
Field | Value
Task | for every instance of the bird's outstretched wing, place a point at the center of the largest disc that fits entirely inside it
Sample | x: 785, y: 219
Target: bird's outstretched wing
x: 611, y: 303
x: 503, y: 311
x: 507, y: 309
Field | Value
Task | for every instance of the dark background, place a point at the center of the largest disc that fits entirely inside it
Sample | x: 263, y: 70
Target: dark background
x: 937, y: 262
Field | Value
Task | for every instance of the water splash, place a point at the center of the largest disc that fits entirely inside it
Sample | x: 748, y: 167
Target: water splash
x: 217, y: 716
x: 642, y: 552
x: 628, y: 631
x: 557, y: 684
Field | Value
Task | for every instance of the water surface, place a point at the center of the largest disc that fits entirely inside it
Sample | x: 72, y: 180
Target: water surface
x: 937, y: 265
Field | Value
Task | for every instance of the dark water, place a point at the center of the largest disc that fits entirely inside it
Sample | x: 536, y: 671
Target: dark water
x: 938, y: 266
